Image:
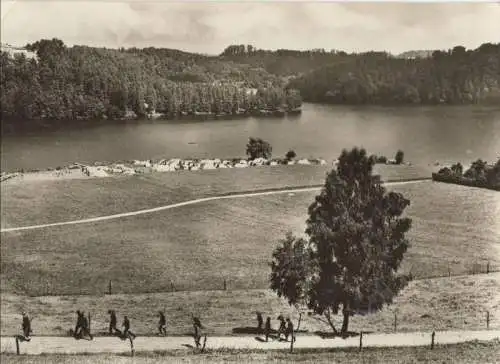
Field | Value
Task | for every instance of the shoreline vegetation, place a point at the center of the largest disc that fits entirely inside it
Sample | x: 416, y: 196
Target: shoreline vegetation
x: 480, y: 174
x: 49, y: 84
x: 139, y: 167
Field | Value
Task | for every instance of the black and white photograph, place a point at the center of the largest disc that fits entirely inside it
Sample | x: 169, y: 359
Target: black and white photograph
x: 249, y: 181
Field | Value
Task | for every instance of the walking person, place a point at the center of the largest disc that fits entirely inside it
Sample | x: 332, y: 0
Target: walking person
x: 289, y: 330
x: 79, y: 325
x: 113, y: 330
x: 26, y: 326
x: 162, y: 324
x: 197, y: 330
x: 260, y: 322
x: 268, y: 328
x: 282, y: 327
x: 126, y: 328
x: 86, y: 327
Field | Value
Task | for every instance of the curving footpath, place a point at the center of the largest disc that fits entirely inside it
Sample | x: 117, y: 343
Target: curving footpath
x: 191, y: 202
x: 68, y: 345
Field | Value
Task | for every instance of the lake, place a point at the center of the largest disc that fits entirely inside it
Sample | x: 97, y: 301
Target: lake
x: 426, y: 134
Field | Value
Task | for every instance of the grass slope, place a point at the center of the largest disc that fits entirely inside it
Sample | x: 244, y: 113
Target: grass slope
x: 456, y: 303
x: 38, y: 202
x: 197, y: 246
x: 470, y: 353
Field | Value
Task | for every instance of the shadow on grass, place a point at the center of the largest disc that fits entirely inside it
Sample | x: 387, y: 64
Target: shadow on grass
x: 255, y: 331
x: 331, y: 335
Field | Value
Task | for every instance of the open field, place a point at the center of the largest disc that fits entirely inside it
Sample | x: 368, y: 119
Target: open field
x: 38, y: 202
x: 457, y: 303
x: 471, y: 352
x: 197, y: 246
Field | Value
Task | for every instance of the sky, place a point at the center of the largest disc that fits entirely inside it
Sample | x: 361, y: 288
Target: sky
x: 210, y: 26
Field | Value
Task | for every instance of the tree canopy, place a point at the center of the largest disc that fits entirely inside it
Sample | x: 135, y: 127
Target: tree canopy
x: 356, y: 241
x: 457, y: 76
x: 258, y: 148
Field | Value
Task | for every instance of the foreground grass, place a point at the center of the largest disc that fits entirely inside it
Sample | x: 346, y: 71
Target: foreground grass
x: 473, y: 352
x: 197, y: 247
x: 456, y: 303
x: 31, y: 203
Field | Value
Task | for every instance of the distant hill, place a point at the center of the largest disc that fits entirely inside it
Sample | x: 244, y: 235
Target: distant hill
x: 415, y: 54
x: 456, y: 76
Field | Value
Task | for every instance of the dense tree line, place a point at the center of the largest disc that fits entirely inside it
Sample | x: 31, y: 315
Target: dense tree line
x: 85, y: 83
x: 458, y: 76
x: 479, y: 174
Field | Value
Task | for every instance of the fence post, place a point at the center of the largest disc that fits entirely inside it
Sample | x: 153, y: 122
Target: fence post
x: 449, y: 271
x: 395, y: 321
x: 18, y: 352
x: 204, y: 344
x: 172, y: 288
x: 432, y: 342
x: 292, y: 339
x: 361, y: 340
x: 89, y: 321
x: 109, y: 288
x: 225, y: 284
x: 487, y: 320
x: 488, y: 268
x: 132, y: 351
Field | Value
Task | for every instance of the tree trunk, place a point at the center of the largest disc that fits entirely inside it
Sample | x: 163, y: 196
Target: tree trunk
x: 300, y: 319
x: 345, y: 323
x: 329, y: 319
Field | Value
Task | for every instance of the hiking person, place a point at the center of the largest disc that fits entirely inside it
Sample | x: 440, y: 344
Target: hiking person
x: 162, y: 324
x: 268, y: 328
x: 282, y: 328
x: 112, y: 323
x: 26, y: 326
x: 289, y: 330
x: 197, y: 330
x: 79, y: 324
x: 260, y: 321
x: 86, y: 327
x: 126, y: 328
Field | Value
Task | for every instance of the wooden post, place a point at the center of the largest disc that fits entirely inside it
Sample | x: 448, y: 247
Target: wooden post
x: 225, y: 284
x: 88, y: 315
x: 361, y: 340
x: 395, y: 321
x: 172, y: 286
x: 449, y: 271
x: 488, y: 268
x: 487, y: 320
x: 132, y: 350
x: 18, y: 352
x: 109, y: 288
x: 433, y: 337
x: 292, y: 339
x: 204, y: 344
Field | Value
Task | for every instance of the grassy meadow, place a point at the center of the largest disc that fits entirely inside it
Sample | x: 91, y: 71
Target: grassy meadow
x: 198, y: 246
x: 39, y: 202
x: 470, y: 353
x: 455, y: 303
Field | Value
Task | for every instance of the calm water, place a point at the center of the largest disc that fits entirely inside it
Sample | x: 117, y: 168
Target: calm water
x: 426, y: 134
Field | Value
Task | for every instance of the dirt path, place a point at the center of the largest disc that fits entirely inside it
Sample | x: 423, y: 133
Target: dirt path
x: 68, y: 345
x: 185, y: 203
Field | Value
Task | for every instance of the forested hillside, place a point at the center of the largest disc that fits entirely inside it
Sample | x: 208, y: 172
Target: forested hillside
x: 84, y: 83
x: 458, y: 76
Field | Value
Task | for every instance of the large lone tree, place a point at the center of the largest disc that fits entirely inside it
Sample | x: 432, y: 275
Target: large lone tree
x: 355, y: 244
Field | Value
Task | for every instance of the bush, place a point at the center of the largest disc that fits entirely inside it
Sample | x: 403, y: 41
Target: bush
x: 258, y: 148
x: 290, y: 154
x: 399, y: 157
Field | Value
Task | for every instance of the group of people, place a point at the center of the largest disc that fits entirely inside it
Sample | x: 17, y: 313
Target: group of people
x: 113, y: 330
x: 82, y: 328
x: 286, y: 327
